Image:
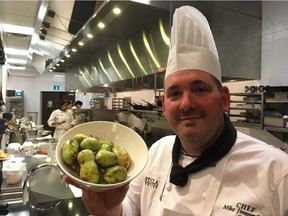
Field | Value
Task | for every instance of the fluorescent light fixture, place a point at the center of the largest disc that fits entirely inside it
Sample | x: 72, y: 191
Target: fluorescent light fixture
x: 17, y: 29
x: 89, y: 35
x: 116, y: 11
x: 16, y: 61
x: 101, y: 25
x: 143, y: 1
x: 13, y: 51
x: 16, y: 67
x: 59, y: 75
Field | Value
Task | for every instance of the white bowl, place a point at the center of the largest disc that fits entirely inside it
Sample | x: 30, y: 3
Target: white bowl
x: 119, y: 135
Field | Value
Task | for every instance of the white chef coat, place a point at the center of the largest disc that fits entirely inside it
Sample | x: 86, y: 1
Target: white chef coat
x: 63, y: 116
x: 252, y: 179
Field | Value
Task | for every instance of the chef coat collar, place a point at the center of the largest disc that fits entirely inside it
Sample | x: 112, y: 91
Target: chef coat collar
x: 223, y: 144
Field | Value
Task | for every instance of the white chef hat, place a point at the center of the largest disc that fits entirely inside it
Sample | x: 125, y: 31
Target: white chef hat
x: 192, y: 45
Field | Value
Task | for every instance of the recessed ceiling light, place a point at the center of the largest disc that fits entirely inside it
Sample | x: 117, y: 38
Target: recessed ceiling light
x: 62, y: 60
x: 57, y: 64
x: 89, y: 35
x: 13, y: 51
x: 17, y: 29
x: 81, y: 43
x: 16, y: 61
x: 16, y: 67
x: 68, y: 56
x: 101, y: 25
x: 116, y: 11
x: 50, y: 70
x: 74, y: 50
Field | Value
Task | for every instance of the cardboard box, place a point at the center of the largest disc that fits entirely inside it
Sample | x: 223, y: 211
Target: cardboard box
x: 273, y: 121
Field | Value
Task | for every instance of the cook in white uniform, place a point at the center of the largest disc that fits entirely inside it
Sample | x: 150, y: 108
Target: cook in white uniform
x: 62, y: 119
x: 208, y: 168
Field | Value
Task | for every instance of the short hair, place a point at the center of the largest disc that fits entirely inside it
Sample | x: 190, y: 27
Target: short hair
x: 78, y: 103
x: 62, y: 102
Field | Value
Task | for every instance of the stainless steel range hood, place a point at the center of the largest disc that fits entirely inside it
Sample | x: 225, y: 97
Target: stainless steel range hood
x: 132, y: 45
x: 140, y: 30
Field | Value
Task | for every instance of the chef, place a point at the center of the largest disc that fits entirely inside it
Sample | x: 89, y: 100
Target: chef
x: 207, y: 168
x: 62, y: 119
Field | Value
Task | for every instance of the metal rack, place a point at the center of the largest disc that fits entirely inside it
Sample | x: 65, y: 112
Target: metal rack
x: 121, y: 103
x: 247, y: 109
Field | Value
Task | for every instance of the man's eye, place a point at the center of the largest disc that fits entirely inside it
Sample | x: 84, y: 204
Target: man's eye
x: 201, y: 90
x: 173, y: 94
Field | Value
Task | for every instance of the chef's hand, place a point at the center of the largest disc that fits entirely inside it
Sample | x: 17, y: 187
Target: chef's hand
x: 106, y: 203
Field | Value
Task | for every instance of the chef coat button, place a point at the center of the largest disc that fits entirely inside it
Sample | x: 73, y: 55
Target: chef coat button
x: 204, y: 196
x: 168, y: 187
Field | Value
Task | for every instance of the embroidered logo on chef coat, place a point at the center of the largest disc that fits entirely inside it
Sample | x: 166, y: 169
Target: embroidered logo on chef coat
x: 150, y: 182
x: 242, y: 209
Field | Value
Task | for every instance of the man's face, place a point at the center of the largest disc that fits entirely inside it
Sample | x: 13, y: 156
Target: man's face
x: 194, y: 105
x: 65, y: 106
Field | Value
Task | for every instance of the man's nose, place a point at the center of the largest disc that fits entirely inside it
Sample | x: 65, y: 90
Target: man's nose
x: 187, y: 102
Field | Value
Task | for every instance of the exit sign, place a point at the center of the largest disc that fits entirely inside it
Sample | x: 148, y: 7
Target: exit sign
x: 56, y: 87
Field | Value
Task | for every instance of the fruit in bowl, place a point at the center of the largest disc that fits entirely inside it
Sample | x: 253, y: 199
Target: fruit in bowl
x: 115, y: 153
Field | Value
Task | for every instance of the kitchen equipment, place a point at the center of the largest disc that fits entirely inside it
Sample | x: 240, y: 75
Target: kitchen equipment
x: 115, y: 133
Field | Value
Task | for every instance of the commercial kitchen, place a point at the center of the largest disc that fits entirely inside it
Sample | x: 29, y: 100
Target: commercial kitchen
x: 111, y: 55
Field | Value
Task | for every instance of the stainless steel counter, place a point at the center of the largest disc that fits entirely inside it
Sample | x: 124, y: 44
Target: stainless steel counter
x: 47, y: 194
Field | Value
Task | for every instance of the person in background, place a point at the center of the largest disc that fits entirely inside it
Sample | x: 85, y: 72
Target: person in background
x: 208, y: 167
x: 61, y: 119
x: 70, y: 106
x: 77, y: 104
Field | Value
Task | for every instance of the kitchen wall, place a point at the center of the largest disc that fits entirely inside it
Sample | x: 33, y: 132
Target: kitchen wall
x: 33, y: 86
x: 274, y: 43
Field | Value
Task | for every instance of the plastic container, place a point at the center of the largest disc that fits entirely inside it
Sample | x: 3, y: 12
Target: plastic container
x: 13, y: 172
x: 285, y: 121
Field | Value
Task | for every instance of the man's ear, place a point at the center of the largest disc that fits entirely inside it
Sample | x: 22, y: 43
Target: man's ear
x: 225, y: 95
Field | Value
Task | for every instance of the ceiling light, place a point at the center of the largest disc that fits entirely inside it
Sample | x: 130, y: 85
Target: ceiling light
x: 42, y: 37
x: 46, y: 24
x: 62, y: 60
x: 13, y: 51
x: 17, y: 29
x: 57, y: 64
x: 16, y: 61
x: 50, y: 70
x: 116, y: 11
x: 89, y: 35
x: 74, y: 50
x: 43, y: 31
x: 81, y: 43
x: 51, y: 13
x: 16, y: 67
x: 101, y: 25
x: 68, y: 56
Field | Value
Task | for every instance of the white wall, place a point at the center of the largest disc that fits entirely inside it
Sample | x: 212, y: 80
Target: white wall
x: 274, y: 43
x: 32, y: 86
